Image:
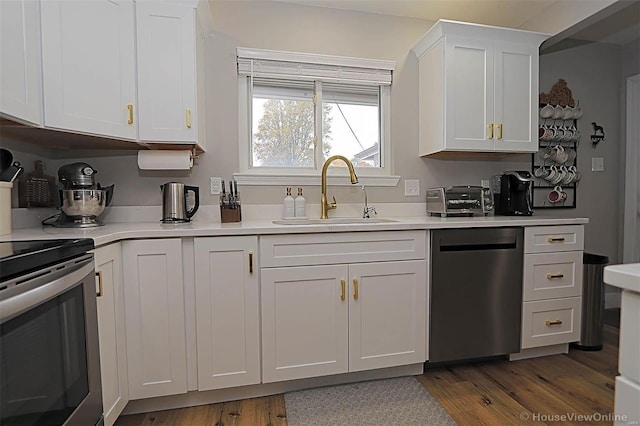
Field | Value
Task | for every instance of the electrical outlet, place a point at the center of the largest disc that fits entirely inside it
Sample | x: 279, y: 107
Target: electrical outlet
x: 411, y: 188
x: 597, y: 164
x: 216, y: 185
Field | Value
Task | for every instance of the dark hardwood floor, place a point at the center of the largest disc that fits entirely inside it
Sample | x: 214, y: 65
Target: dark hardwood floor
x: 529, y: 391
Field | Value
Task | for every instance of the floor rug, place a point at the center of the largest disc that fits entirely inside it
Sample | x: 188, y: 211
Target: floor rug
x: 401, y: 401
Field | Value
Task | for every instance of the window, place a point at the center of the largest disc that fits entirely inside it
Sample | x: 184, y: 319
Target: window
x: 296, y: 110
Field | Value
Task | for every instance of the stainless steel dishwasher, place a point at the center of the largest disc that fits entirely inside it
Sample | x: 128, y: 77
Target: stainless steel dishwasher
x: 476, y: 293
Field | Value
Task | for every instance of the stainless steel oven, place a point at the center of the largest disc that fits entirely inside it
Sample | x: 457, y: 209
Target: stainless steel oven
x: 49, y: 355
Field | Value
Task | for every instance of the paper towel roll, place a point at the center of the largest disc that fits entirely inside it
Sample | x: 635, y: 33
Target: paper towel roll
x: 165, y: 160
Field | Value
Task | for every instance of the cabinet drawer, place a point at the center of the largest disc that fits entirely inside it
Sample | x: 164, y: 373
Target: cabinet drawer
x: 348, y: 247
x: 550, y: 322
x: 552, y: 275
x: 539, y: 239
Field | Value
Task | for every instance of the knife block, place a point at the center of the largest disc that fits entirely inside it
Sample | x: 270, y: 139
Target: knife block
x: 230, y: 215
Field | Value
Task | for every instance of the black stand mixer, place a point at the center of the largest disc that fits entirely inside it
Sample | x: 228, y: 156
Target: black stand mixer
x: 82, y: 200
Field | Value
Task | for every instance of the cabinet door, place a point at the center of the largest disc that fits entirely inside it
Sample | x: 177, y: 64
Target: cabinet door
x: 227, y: 312
x: 166, y: 72
x: 387, y: 316
x: 155, y: 320
x: 21, y: 69
x: 304, y: 322
x: 469, y: 98
x: 111, y: 332
x: 516, y: 97
x: 88, y: 60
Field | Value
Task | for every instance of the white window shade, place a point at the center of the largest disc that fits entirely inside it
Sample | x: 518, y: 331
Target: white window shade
x: 309, y: 67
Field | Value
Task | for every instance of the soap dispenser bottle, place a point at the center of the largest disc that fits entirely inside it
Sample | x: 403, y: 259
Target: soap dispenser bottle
x: 288, y: 206
x: 300, y: 205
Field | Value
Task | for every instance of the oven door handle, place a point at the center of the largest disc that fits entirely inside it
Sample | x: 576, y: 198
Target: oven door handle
x: 21, y: 303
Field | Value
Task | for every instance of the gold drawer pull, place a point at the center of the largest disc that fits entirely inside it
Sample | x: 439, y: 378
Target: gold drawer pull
x: 550, y: 323
x: 343, y: 284
x: 130, y: 108
x: 490, y: 131
x: 555, y: 239
x: 100, y: 289
x: 355, y: 289
x: 552, y: 276
x: 499, y: 131
x: 188, y: 118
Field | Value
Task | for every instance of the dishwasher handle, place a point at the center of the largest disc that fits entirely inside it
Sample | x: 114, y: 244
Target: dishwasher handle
x: 480, y: 246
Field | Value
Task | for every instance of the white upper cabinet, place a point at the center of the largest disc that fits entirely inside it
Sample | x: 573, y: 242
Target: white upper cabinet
x: 88, y: 59
x: 20, y: 61
x: 478, y: 88
x: 167, y: 38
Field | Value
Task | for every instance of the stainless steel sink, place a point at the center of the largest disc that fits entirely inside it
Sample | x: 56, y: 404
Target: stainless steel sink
x: 332, y: 221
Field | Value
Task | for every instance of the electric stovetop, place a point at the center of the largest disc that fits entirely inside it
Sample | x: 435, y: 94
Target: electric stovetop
x: 21, y: 257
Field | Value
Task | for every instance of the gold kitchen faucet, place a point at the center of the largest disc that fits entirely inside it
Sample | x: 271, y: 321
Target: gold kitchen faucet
x: 325, y: 206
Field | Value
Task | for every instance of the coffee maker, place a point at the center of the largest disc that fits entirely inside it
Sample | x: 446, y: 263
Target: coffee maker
x: 512, y: 193
x: 82, y: 200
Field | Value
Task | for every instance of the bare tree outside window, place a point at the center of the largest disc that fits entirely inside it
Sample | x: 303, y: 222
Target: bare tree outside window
x: 285, y: 132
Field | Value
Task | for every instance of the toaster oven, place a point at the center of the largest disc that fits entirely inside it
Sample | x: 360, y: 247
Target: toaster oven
x: 459, y: 201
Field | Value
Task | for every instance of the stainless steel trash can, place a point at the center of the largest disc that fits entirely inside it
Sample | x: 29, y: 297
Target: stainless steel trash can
x: 592, y: 302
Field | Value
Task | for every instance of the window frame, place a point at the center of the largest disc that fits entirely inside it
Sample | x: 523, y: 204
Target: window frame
x: 370, y: 176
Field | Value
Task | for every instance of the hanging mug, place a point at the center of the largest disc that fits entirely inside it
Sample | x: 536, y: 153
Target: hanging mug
x: 556, y: 195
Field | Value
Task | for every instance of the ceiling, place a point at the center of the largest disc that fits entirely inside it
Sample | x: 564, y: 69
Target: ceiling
x: 507, y: 13
x: 619, y: 24
x: 620, y: 27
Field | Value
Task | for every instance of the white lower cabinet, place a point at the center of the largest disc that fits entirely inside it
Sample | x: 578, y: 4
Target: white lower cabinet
x: 155, y: 317
x: 552, y: 278
x: 335, y: 318
x: 304, y: 322
x: 551, y: 322
x: 227, y: 312
x: 111, y: 332
x: 387, y: 314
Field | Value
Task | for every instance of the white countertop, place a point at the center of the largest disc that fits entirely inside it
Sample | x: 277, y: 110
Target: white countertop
x: 626, y: 277
x: 113, y: 232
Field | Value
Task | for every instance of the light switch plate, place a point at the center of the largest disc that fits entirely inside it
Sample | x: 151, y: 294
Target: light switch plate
x: 216, y: 185
x: 597, y: 164
x: 411, y: 188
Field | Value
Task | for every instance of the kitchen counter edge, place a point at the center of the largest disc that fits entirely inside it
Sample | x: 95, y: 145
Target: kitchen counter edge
x: 625, y: 276
x: 114, y: 232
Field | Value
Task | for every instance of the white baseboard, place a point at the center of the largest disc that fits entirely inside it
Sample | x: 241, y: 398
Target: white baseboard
x: 191, y: 399
x: 561, y: 348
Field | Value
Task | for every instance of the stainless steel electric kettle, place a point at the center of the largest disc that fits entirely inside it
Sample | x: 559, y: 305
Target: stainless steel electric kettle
x: 174, y: 202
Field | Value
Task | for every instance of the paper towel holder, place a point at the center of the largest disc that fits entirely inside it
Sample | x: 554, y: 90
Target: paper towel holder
x: 148, y: 160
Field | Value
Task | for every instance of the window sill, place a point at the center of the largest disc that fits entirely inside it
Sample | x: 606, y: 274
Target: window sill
x: 309, y: 180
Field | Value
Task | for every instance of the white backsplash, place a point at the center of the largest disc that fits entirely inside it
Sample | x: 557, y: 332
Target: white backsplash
x: 31, y: 218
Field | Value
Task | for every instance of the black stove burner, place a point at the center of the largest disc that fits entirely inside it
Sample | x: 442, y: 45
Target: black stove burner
x: 21, y: 257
